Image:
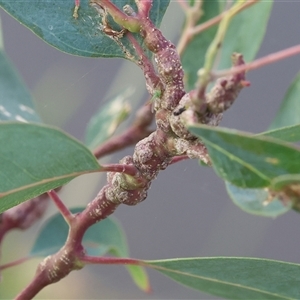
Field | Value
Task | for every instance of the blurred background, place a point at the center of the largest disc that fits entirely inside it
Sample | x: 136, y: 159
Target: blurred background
x: 188, y: 212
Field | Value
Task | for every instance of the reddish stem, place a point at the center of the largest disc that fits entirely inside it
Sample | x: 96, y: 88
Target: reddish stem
x: 14, y: 263
x: 111, y: 260
x: 32, y: 289
x: 144, y: 7
x: 68, y: 258
x: 121, y: 168
x: 204, y: 26
x: 268, y: 59
x: 129, y: 22
x: 152, y: 80
x: 151, y: 155
x: 68, y: 216
x: 177, y: 159
x: 131, y: 136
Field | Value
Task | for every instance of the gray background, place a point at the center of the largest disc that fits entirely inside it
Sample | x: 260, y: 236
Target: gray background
x: 187, y: 212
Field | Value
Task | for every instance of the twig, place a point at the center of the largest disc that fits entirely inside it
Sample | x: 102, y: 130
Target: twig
x: 183, y: 5
x: 268, y: 59
x: 103, y: 260
x: 151, y: 155
x: 204, y: 26
x: 177, y: 159
x: 137, y: 131
x: 65, y: 212
x: 192, y: 31
x: 14, y: 263
x: 205, y: 74
x: 193, y: 14
x: 120, y: 168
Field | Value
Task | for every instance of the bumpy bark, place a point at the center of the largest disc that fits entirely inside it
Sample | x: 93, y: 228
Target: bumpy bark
x: 173, y: 109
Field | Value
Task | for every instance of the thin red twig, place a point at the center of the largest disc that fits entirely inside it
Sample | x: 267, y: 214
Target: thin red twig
x: 120, y: 168
x: 266, y: 60
x: 14, y: 263
x: 68, y: 216
x: 177, y: 159
x: 103, y: 260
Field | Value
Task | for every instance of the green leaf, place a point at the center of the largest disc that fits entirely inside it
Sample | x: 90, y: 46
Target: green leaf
x: 53, y: 21
x: 289, y: 111
x: 288, y: 134
x: 106, y: 120
x: 247, y: 44
x: 245, y: 160
x: 194, y: 54
x: 254, y: 201
x: 102, y: 238
x: 234, y: 278
x: 257, y: 201
x: 15, y: 100
x: 35, y: 159
x: 139, y: 277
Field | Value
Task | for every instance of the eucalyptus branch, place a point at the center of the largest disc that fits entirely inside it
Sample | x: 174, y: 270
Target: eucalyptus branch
x: 177, y: 135
x: 129, y: 181
x: 152, y: 154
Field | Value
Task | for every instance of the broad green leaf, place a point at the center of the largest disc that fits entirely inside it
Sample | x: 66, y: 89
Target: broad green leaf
x: 53, y: 21
x: 289, y: 134
x: 233, y: 277
x: 257, y: 201
x: 254, y: 201
x: 247, y: 44
x: 106, y: 120
x: 289, y: 111
x: 15, y: 99
x: 245, y: 160
x: 35, y: 159
x: 194, y: 54
x: 102, y: 238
